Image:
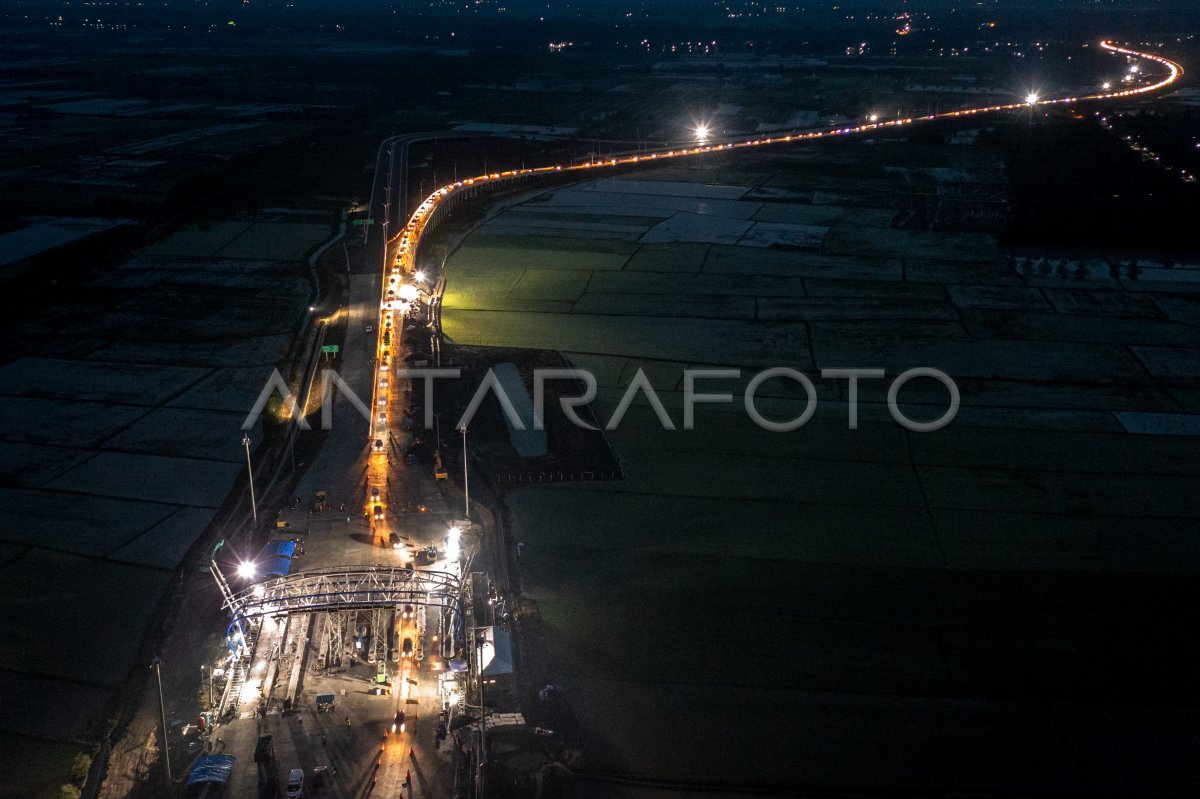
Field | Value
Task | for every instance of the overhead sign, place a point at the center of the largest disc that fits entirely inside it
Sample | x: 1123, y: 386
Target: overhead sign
x: 330, y: 348
x: 361, y: 222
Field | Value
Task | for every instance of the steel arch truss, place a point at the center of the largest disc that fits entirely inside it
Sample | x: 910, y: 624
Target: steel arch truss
x: 347, y: 588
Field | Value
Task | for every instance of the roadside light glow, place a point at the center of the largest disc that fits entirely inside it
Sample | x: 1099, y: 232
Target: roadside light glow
x: 1031, y: 98
x: 246, y: 570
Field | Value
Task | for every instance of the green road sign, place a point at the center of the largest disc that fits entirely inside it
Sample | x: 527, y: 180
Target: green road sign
x: 329, y: 348
x: 361, y: 222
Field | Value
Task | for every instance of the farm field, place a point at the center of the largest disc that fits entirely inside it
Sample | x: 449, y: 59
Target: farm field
x: 998, y: 606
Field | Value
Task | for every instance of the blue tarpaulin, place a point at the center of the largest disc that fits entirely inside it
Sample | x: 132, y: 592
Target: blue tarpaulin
x: 276, y: 559
x: 212, y: 768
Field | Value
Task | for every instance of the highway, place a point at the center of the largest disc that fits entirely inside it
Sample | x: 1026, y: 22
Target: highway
x: 407, y: 239
x: 393, y: 511
x: 392, y: 399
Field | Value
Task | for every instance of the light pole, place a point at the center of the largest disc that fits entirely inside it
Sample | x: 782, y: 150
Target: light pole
x: 250, y: 474
x: 162, y: 713
x: 466, y: 486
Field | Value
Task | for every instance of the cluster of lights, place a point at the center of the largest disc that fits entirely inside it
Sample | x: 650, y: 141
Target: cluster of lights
x: 1149, y: 155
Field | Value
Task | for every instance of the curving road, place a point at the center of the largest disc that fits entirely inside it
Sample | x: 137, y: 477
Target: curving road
x: 409, y: 237
x: 388, y: 400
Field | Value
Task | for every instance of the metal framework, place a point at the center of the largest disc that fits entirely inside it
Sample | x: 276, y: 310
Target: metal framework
x: 335, y: 637
x: 346, y: 588
x: 381, y: 634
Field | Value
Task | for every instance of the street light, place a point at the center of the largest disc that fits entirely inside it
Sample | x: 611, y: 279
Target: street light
x: 246, y: 570
x: 701, y: 132
x: 1031, y: 98
x: 466, y: 486
x: 1106, y: 85
x: 873, y: 117
x: 162, y: 712
x: 250, y: 474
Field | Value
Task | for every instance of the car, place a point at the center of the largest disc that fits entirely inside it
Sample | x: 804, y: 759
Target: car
x: 378, y: 511
x: 408, y: 611
x: 398, y: 722
x: 295, y: 784
x: 406, y: 650
x: 368, y: 329
x: 379, y: 445
x: 379, y: 690
x: 264, y: 750
x: 394, y: 540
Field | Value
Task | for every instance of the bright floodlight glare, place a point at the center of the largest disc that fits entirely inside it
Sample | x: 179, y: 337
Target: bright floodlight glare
x: 246, y: 570
x: 1106, y: 85
x: 259, y: 591
x: 454, y: 532
x: 408, y: 292
x: 702, y: 131
x: 419, y: 276
x: 1031, y: 98
x: 873, y: 117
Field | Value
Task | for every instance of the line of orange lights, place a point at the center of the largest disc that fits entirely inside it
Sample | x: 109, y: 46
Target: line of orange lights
x: 411, y: 232
x: 410, y: 235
